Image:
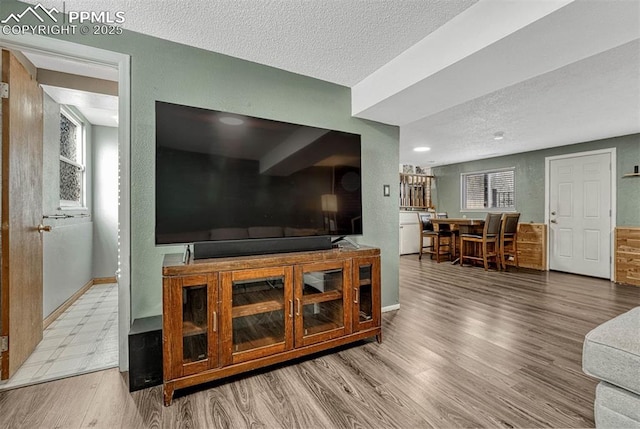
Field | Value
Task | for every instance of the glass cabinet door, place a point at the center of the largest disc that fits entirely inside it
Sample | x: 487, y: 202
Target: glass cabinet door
x: 321, y: 298
x: 366, y: 299
x: 363, y: 298
x: 194, y: 324
x: 259, y: 306
x: 197, y: 297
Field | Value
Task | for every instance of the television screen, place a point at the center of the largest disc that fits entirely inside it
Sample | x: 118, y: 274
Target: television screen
x: 224, y: 176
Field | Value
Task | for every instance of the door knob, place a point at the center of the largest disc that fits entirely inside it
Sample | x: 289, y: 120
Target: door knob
x: 553, y: 213
x: 553, y: 221
x: 43, y: 228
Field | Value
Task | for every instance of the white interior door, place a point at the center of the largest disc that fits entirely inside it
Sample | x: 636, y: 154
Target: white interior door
x: 580, y: 214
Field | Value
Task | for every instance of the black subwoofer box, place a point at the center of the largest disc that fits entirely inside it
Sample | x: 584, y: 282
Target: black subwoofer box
x: 145, y: 353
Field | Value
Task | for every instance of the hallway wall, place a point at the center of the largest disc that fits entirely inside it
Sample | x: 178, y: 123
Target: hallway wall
x: 105, y: 201
x: 68, y: 248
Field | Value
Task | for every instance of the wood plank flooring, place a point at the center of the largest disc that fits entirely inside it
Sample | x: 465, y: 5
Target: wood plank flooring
x: 467, y: 348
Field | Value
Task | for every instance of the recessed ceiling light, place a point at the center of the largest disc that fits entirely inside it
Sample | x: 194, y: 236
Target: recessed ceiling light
x: 421, y: 149
x: 230, y: 120
x: 499, y: 135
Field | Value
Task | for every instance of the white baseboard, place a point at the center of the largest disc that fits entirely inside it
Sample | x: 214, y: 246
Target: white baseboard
x: 391, y: 308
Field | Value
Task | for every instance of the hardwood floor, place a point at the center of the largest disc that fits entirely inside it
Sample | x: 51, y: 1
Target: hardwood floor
x: 467, y: 348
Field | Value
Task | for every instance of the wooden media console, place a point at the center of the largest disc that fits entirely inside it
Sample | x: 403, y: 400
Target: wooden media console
x: 225, y: 316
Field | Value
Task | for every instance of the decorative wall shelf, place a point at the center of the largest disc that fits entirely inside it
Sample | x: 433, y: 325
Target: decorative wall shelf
x: 631, y: 175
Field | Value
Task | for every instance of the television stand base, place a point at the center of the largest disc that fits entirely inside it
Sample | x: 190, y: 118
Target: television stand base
x: 347, y: 239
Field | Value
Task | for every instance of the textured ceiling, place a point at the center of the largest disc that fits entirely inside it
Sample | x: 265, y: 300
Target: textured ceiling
x: 340, y: 41
x: 546, y: 73
x: 595, y: 98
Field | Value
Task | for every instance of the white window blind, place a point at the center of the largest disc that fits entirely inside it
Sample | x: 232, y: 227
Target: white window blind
x: 489, y: 190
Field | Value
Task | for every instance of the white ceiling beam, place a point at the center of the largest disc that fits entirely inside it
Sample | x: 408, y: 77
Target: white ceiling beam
x: 492, y: 45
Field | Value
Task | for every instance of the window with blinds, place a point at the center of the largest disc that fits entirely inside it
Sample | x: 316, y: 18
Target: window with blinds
x: 489, y: 190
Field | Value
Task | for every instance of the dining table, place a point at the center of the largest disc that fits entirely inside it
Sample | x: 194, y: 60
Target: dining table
x: 465, y: 226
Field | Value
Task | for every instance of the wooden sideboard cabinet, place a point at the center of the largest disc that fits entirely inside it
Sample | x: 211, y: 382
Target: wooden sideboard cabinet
x: 627, y: 255
x: 225, y: 316
x: 532, y: 246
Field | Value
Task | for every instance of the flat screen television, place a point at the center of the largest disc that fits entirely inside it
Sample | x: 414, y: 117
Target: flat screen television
x: 235, y: 184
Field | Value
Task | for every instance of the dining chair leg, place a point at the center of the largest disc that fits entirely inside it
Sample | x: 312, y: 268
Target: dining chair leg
x: 461, y: 252
x: 436, y: 248
x: 484, y: 256
x: 455, y: 245
x: 452, y: 245
x: 503, y: 259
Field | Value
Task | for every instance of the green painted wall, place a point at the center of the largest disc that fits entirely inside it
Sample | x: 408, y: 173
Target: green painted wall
x: 530, y: 168
x: 162, y: 70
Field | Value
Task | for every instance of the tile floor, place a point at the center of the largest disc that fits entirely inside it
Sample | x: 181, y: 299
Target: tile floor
x: 83, y: 339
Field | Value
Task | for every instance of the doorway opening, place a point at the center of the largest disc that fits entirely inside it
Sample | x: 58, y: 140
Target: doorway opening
x: 99, y: 308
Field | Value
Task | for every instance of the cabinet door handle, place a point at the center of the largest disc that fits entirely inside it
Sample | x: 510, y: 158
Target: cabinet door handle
x: 215, y: 321
x: 298, y: 312
x: 291, y: 308
x: 355, y: 300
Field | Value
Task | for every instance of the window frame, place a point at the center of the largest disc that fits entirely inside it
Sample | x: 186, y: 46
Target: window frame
x: 81, y: 147
x: 463, y: 183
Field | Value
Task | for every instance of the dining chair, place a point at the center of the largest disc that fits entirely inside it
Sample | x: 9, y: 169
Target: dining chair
x: 435, y: 237
x: 426, y: 227
x: 448, y: 229
x: 486, y: 244
x: 508, y: 242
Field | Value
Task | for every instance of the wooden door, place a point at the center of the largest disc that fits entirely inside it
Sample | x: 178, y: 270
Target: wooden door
x: 580, y: 214
x: 366, y: 293
x: 190, y: 323
x: 257, y: 313
x: 323, y: 302
x: 21, y: 272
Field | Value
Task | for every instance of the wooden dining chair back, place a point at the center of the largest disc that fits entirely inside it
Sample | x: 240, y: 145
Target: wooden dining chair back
x: 508, y: 242
x: 437, y: 245
x: 425, y: 227
x: 485, y: 245
x: 443, y: 226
